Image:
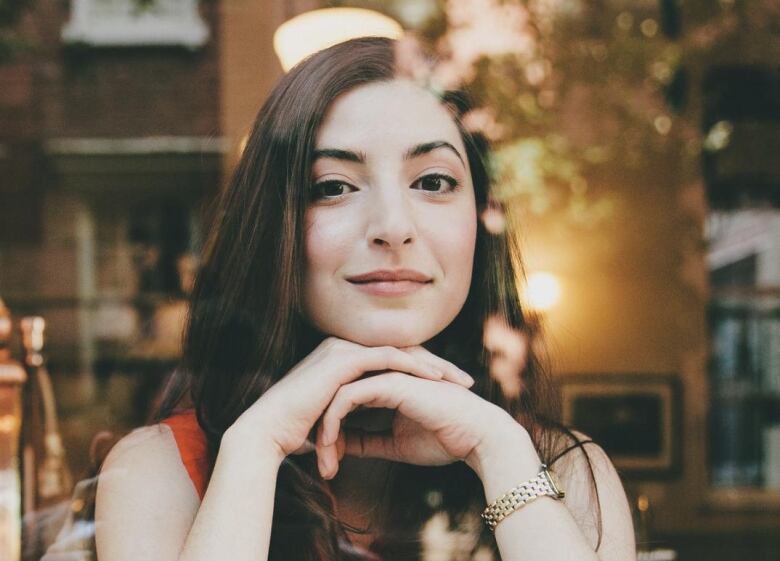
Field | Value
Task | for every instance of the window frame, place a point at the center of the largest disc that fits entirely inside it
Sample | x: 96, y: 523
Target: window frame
x: 185, y: 28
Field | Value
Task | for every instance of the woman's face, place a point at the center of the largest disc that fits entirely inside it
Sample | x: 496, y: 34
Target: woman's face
x: 392, y: 191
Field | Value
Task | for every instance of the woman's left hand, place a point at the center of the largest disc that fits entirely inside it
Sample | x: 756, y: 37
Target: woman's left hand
x: 436, y: 422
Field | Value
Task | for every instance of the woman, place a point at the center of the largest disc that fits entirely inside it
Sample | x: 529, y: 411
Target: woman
x: 335, y: 400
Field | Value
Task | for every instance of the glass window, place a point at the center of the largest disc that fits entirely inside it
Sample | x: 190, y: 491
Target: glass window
x: 744, y: 261
x: 130, y: 22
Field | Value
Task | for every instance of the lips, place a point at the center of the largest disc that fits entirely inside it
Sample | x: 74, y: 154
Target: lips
x: 385, y: 275
x: 386, y: 283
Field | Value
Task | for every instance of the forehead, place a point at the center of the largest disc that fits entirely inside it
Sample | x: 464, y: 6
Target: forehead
x: 386, y: 115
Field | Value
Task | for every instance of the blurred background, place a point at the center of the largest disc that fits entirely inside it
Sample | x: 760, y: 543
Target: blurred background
x: 637, y: 141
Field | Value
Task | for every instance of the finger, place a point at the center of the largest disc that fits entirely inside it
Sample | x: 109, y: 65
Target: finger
x: 341, y: 445
x: 327, y: 455
x: 332, y: 461
x: 451, y: 372
x: 384, y: 390
x: 321, y: 465
x: 368, y: 359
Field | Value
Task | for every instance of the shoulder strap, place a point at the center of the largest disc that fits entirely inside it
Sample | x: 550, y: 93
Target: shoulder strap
x: 193, y: 448
x: 578, y: 444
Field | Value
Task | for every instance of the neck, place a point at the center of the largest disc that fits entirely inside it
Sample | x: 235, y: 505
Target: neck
x: 360, y: 479
x: 358, y: 489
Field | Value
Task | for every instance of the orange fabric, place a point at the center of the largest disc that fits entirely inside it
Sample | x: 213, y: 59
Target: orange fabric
x: 193, y: 449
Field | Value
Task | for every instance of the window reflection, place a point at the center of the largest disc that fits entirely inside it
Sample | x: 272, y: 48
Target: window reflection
x: 744, y: 261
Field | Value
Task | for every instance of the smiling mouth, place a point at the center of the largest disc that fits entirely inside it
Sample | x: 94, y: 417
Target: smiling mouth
x: 390, y: 287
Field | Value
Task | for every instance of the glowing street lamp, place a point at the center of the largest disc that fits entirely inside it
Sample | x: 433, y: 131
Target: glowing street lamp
x: 313, y: 31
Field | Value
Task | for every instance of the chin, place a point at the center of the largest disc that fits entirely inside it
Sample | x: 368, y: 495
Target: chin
x: 401, y: 327
x: 380, y: 339
x: 392, y: 334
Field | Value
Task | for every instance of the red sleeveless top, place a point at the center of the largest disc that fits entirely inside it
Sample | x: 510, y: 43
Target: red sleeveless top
x: 193, y: 449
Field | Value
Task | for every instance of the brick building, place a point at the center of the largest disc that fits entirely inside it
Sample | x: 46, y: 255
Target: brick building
x: 110, y: 144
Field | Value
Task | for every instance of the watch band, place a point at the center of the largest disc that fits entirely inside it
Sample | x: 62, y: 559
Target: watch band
x: 542, y: 485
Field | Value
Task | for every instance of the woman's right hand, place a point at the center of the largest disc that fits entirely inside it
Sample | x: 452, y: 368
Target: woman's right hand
x: 284, y: 416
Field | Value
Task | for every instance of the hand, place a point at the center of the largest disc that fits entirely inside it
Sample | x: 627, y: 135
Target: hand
x: 283, y: 417
x: 437, y: 422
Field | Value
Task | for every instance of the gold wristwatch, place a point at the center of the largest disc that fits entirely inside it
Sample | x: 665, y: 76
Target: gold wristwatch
x: 543, y: 485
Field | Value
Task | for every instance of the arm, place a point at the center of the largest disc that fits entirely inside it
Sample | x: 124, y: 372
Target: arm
x: 438, y: 422
x: 147, y: 508
x: 234, y: 520
x: 549, y: 529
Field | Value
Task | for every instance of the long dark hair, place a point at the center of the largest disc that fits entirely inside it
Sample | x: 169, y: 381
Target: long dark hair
x: 246, y: 326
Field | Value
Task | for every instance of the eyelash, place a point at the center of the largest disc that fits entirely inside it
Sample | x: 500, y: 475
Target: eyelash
x: 454, y: 185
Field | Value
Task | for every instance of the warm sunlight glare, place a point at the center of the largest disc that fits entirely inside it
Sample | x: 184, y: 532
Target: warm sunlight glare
x: 313, y: 31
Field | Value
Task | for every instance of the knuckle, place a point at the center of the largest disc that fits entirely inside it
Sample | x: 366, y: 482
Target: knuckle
x: 326, y: 420
x: 350, y: 357
x: 346, y: 394
x: 332, y: 346
x: 338, y: 397
x: 397, y: 377
x: 389, y: 352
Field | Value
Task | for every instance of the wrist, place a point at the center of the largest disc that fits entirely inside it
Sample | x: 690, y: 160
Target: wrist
x: 242, y: 443
x: 506, y: 451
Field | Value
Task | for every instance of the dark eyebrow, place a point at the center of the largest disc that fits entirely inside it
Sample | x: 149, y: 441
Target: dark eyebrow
x: 336, y: 154
x: 360, y: 157
x: 421, y: 149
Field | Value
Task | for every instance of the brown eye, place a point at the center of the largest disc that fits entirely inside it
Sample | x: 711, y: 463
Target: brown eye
x: 437, y: 183
x: 329, y: 189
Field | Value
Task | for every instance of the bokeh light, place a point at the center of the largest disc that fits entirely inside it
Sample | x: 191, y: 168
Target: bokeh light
x: 543, y: 291
x: 508, y: 349
x: 313, y: 31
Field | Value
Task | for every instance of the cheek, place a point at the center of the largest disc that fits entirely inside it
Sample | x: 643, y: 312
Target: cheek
x: 326, y: 243
x: 329, y: 239
x: 466, y: 244
x: 455, y: 240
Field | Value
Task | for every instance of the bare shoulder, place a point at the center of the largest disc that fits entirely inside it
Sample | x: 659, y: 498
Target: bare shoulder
x: 140, y: 442
x: 145, y: 502
x: 577, y: 456
x: 595, y: 496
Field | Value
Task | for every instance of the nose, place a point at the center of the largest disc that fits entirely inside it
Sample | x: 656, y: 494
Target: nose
x: 392, y: 222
